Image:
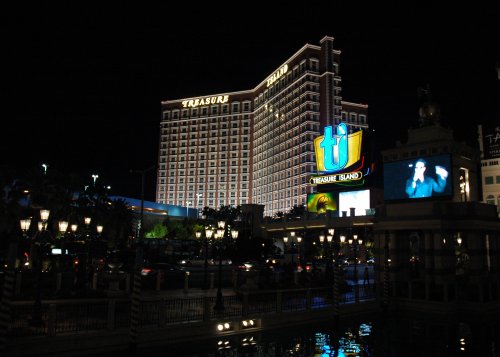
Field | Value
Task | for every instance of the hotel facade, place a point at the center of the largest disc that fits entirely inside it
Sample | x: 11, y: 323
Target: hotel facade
x: 254, y: 146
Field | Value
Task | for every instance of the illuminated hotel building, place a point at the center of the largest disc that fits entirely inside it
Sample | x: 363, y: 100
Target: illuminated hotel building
x: 254, y: 146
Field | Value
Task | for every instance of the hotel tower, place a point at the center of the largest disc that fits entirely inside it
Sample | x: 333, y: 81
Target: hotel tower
x: 254, y: 146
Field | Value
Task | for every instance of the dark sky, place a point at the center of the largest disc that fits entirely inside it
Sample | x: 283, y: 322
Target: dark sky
x: 82, y: 87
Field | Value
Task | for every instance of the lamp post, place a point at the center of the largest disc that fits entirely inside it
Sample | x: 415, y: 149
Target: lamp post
x: 198, y: 195
x: 36, y: 317
x: 136, y: 291
x: 336, y: 275
x: 63, y: 226
x: 299, y: 240
x: 208, y: 235
x: 328, y: 250
x: 221, y: 236
x: 219, y: 304
x: 355, y: 243
x: 285, y: 243
x: 187, y: 208
x: 94, y: 177
x: 322, y: 241
x: 285, y: 240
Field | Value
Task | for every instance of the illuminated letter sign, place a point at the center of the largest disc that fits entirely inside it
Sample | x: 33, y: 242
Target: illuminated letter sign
x: 277, y: 75
x: 336, y: 153
x: 192, y: 103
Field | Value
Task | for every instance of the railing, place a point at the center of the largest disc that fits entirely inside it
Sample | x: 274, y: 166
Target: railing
x: 74, y: 316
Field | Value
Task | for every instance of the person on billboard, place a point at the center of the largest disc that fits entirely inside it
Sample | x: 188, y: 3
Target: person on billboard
x: 421, y: 185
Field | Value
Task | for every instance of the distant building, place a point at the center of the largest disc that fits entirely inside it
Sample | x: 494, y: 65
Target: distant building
x: 254, y: 146
x: 489, y: 144
x: 155, y: 212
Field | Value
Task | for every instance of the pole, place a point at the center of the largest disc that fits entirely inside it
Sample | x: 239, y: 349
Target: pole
x: 336, y: 295
x: 7, y: 293
x: 136, y: 290
x: 385, y: 293
x: 36, y: 317
x: 205, y: 267
x: 356, y: 288
x: 219, y: 305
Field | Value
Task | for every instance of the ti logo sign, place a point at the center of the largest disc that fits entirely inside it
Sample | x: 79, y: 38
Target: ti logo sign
x: 335, y: 152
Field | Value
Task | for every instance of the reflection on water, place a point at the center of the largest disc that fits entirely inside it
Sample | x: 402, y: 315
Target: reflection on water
x: 371, y: 336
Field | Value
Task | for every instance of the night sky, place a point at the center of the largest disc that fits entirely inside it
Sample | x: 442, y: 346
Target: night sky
x: 82, y: 87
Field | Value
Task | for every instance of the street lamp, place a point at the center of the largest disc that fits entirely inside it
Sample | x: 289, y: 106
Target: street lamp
x: 208, y: 235
x: 329, y: 239
x: 322, y: 242
x: 299, y: 240
x: 336, y: 272
x: 36, y: 318
x: 205, y: 266
x: 221, y: 236
x: 285, y: 241
x: 355, y: 243
x: 94, y: 176
x: 198, y: 195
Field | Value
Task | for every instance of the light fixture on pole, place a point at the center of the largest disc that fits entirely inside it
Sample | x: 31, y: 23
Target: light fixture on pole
x: 63, y: 226
x: 136, y: 291
x: 45, y: 166
x: 94, y: 177
x: 221, y: 240
x: 198, y: 195
x: 355, y: 243
x: 36, y: 318
x: 74, y: 228
x: 219, y: 304
x: 299, y: 240
x: 25, y: 224
x: 208, y: 235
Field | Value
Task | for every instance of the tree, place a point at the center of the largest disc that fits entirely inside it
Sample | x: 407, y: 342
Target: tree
x: 179, y: 230
x: 296, y: 212
x: 209, y: 213
x: 158, y: 231
x: 10, y: 208
x: 229, y: 214
x: 118, y: 223
x: 279, y: 215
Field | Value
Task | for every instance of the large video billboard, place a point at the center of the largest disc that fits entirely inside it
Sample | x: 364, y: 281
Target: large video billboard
x: 418, y: 178
x: 321, y: 202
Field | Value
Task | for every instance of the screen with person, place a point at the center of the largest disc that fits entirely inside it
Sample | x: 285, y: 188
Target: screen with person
x: 418, y: 178
x: 321, y: 202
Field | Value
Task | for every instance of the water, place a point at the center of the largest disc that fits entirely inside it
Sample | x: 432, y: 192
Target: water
x: 369, y: 336
x: 366, y: 337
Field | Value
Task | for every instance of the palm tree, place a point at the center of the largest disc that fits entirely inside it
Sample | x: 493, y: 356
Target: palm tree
x: 229, y: 214
x: 297, y: 212
x: 209, y: 213
x: 11, y: 210
x: 118, y: 223
x: 279, y: 215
